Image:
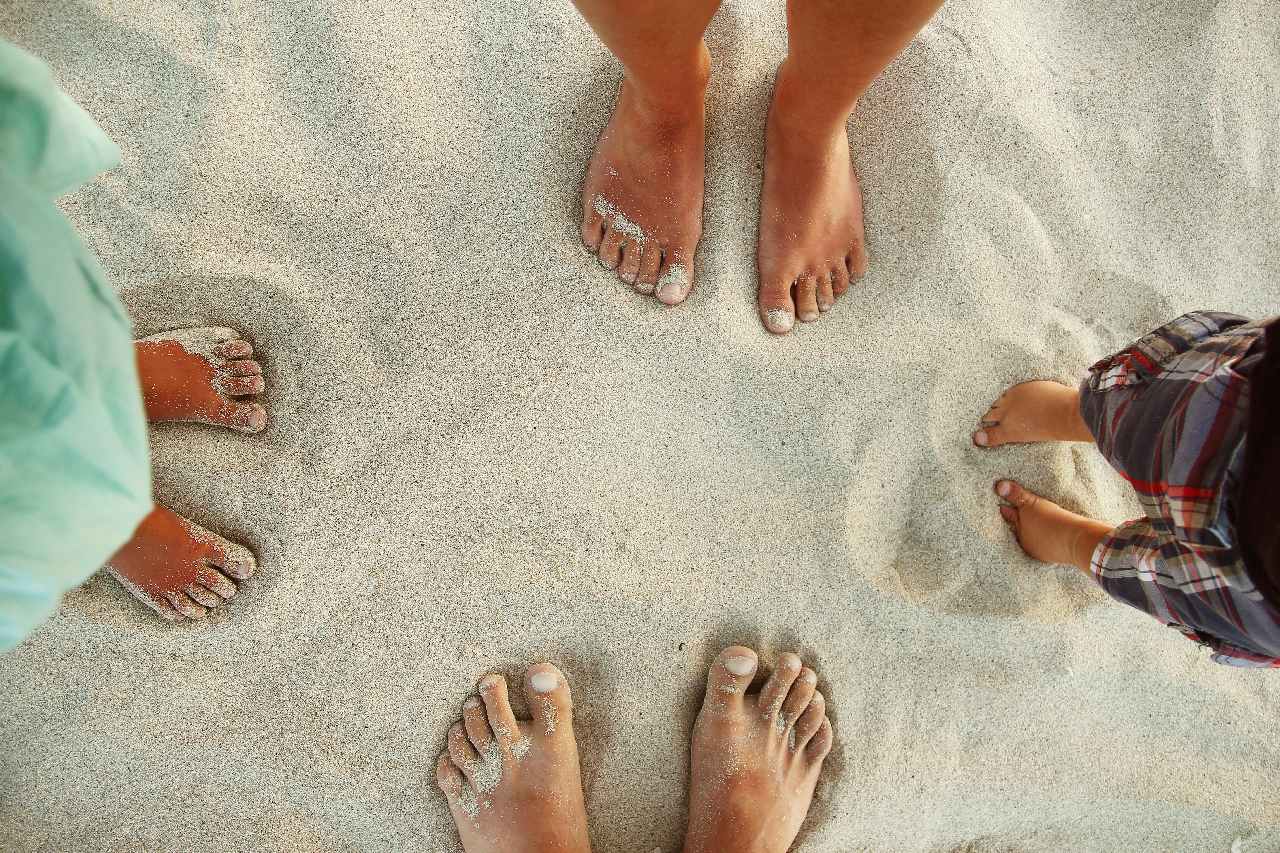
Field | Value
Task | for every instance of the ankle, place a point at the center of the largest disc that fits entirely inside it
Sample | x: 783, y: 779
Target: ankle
x: 802, y: 107
x: 678, y: 91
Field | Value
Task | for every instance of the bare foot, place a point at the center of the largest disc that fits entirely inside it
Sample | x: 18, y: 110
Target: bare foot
x: 514, y: 786
x: 178, y: 568
x: 811, y: 237
x: 193, y: 374
x: 1046, y: 531
x: 755, y: 759
x: 1033, y: 411
x: 642, y: 196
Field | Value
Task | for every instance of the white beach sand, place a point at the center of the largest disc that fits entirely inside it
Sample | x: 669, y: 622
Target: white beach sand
x: 485, y: 451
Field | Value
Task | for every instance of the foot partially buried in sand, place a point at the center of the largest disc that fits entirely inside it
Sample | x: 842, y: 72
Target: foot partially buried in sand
x: 178, y: 568
x: 1032, y: 412
x: 812, y: 243
x: 755, y: 757
x: 642, y: 196
x: 514, y: 786
x: 1046, y: 531
x: 197, y: 374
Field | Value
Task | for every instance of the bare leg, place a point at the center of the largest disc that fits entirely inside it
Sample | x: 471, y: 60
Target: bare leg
x: 642, y: 195
x: 811, y: 234
x: 1046, y: 531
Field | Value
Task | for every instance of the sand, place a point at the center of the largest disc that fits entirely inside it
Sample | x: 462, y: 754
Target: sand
x: 485, y: 451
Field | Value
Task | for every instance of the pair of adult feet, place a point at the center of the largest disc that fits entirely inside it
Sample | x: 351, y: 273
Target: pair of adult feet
x: 171, y: 564
x: 513, y: 786
x: 1033, y: 412
x: 643, y: 193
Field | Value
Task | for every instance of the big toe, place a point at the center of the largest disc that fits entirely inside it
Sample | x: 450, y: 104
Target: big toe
x: 730, y: 676
x: 547, y: 694
x: 229, y: 557
x: 1015, y: 494
x: 675, y: 280
x: 777, y: 311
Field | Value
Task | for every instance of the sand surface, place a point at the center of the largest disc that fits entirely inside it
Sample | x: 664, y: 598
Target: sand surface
x: 485, y: 451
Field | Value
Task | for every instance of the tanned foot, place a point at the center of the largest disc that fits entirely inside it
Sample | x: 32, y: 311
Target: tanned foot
x: 514, y: 785
x: 755, y: 758
x: 1031, y: 412
x: 194, y: 374
x: 811, y: 235
x: 178, y: 568
x: 1046, y: 531
x: 642, y: 196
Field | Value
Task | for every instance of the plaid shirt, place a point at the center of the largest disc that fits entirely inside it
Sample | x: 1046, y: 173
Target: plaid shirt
x: 1171, y: 414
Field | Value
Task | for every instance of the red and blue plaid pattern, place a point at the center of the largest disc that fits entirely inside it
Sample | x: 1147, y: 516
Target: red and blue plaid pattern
x: 1171, y: 414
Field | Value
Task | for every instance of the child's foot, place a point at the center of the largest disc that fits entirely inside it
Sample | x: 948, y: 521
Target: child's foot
x: 755, y: 759
x: 514, y: 786
x: 642, y: 197
x: 178, y: 568
x: 811, y: 237
x: 1046, y: 531
x: 1033, y: 411
x: 193, y: 374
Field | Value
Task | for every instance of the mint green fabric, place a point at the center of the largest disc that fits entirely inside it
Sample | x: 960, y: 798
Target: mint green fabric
x: 74, y: 471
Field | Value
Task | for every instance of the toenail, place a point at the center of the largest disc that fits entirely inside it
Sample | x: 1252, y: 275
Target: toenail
x: 779, y: 319
x: 811, y: 677
x: 544, y: 682
x: 472, y: 702
x: 1003, y: 488
x: 673, y: 283
x: 790, y: 661
x: 980, y: 437
x: 490, y: 682
x: 740, y: 664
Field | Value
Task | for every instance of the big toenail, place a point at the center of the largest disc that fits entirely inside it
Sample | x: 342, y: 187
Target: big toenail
x: 980, y: 437
x: 740, y: 664
x: 780, y: 319
x: 472, y: 702
x: 1004, y: 488
x: 544, y: 682
x: 490, y: 682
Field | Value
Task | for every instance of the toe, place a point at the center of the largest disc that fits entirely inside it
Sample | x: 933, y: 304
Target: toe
x: 811, y: 720
x: 629, y: 266
x: 798, y: 697
x: 775, y: 689
x: 234, y: 560
x: 461, y: 752
x: 857, y: 262
x: 610, y: 253
x: 184, y: 604
x: 242, y: 416
x: 231, y: 350
x: 650, y: 267
x: 241, y: 386
x: 839, y: 279
x: 1015, y: 494
x: 822, y: 742
x: 448, y: 778
x: 497, y: 705
x: 1010, y: 515
x: 730, y: 676
x: 593, y: 227
x: 202, y: 596
x: 477, y: 725
x: 776, y: 308
x: 675, y: 279
x: 807, y: 299
x: 826, y: 294
x: 216, y: 582
x: 244, y: 367
x: 547, y: 692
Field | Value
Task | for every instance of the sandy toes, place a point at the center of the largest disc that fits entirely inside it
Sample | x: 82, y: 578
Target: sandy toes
x: 1046, y: 531
x: 178, y: 568
x: 195, y: 374
x: 755, y: 758
x: 514, y: 786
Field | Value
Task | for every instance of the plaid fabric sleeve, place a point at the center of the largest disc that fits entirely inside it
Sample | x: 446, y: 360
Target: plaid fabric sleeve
x: 1144, y: 570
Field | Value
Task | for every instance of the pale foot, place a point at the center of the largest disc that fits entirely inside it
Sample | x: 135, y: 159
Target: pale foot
x: 178, y: 568
x: 1033, y: 411
x: 513, y: 785
x: 812, y: 243
x: 642, y: 196
x: 194, y: 374
x: 1046, y: 531
x: 755, y: 759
